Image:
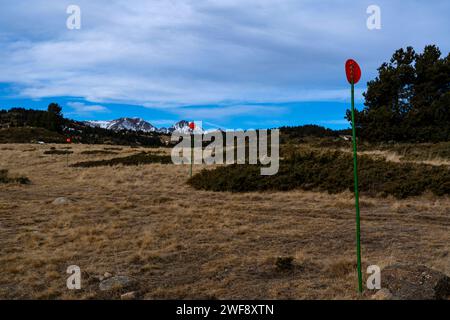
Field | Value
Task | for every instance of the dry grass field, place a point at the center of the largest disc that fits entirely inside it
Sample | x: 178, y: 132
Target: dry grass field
x: 176, y: 242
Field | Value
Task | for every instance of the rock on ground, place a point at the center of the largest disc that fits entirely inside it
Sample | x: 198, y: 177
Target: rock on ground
x: 128, y: 296
x: 116, y: 282
x: 61, y: 201
x: 383, y: 294
x: 409, y: 282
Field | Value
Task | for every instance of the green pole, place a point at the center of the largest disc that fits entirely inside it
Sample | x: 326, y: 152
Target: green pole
x: 355, y: 172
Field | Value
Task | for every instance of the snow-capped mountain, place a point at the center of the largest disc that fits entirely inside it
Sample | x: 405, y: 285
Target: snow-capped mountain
x: 183, y: 127
x: 165, y: 130
x: 138, y: 124
x: 133, y: 124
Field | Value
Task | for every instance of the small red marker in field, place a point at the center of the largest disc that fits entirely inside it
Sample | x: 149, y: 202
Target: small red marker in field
x: 192, y: 127
x: 68, y: 140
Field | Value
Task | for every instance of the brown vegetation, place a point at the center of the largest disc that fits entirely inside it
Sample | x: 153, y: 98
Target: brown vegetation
x: 146, y: 222
x: 6, y: 178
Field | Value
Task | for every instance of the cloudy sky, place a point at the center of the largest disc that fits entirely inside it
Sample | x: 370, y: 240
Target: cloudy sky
x: 228, y: 63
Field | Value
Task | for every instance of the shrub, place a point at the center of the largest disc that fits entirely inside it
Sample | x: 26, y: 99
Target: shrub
x: 412, y: 151
x: 96, y: 152
x: 112, y: 149
x: 58, y: 152
x: 133, y: 160
x: 284, y: 263
x: 424, y: 151
x: 5, y: 178
x: 331, y: 172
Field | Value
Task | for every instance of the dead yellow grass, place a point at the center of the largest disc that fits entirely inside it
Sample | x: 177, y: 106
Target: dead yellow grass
x: 393, y: 156
x: 177, y: 242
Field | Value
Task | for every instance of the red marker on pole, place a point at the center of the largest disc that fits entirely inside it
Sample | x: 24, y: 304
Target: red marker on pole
x: 192, y: 127
x: 68, y: 140
x: 353, y: 72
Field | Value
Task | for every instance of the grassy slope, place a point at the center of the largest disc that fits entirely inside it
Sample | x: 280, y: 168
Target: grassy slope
x: 27, y: 135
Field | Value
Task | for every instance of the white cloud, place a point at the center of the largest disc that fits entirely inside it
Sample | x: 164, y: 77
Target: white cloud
x: 162, y: 122
x: 81, y: 108
x: 225, y: 112
x: 336, y: 122
x: 173, y: 53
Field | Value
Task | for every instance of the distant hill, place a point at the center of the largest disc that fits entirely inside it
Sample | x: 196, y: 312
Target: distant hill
x: 28, y: 125
x: 30, y: 135
x: 20, y: 125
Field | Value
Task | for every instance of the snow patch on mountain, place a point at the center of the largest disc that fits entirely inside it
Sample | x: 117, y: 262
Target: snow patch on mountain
x: 138, y: 124
x: 133, y: 124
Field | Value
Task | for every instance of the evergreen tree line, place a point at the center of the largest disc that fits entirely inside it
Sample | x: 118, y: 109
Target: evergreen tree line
x: 409, y: 100
x: 19, y: 117
x: 53, y: 120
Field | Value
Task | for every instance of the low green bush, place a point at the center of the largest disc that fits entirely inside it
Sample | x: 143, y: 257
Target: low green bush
x: 132, y: 160
x: 284, y: 263
x: 331, y: 172
x: 112, y: 148
x: 5, y: 178
x: 97, y: 152
x: 412, y: 151
x: 57, y: 152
